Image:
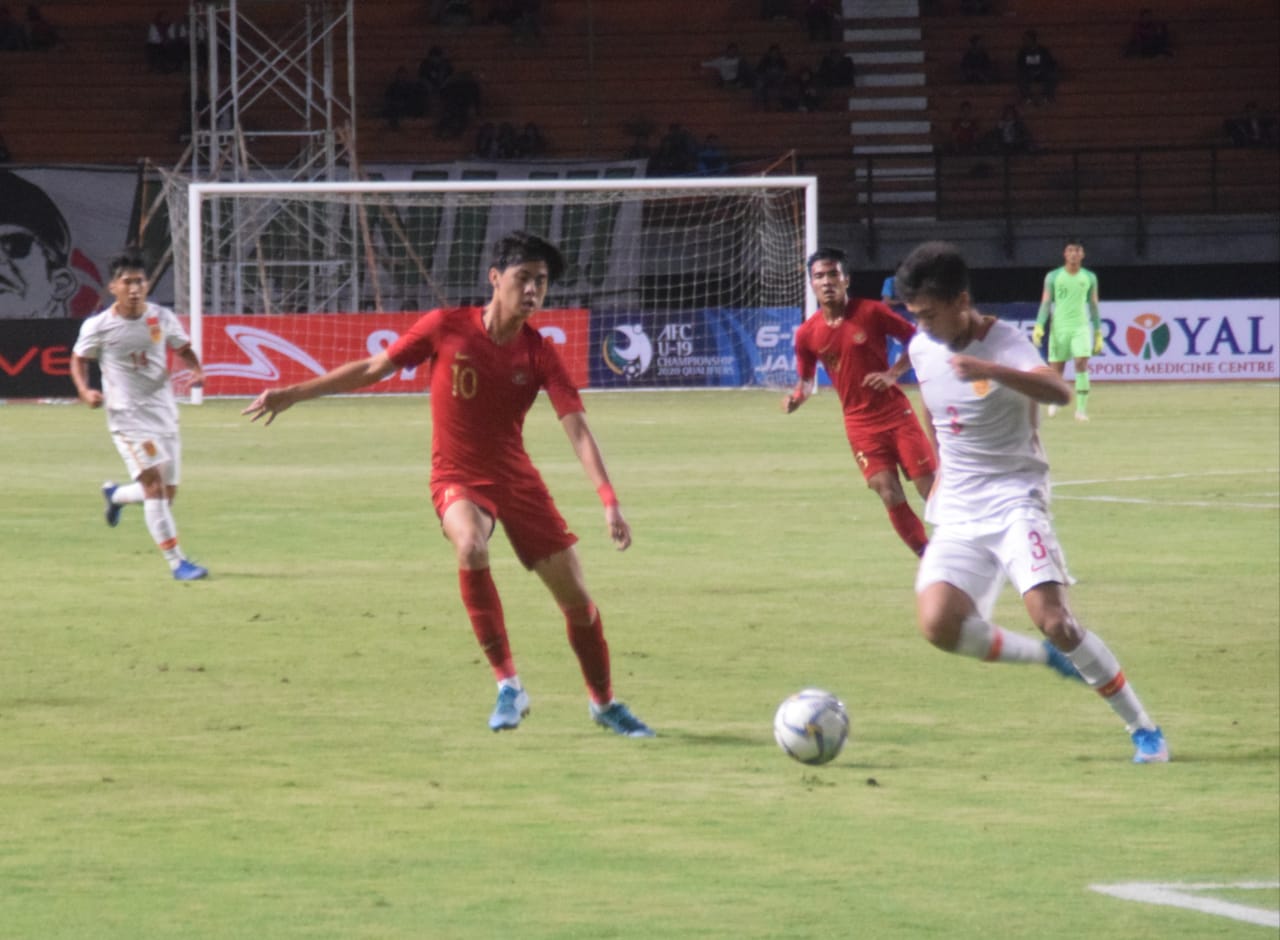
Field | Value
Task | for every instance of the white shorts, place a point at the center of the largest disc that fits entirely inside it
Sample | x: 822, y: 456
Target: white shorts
x: 142, y: 451
x: 978, y: 557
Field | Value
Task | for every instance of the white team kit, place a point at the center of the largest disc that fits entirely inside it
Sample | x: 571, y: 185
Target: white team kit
x: 142, y: 413
x: 990, y: 501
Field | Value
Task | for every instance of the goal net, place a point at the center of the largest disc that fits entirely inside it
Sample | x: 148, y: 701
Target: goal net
x: 669, y: 283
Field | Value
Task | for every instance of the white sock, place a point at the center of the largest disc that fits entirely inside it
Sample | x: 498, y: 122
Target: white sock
x: 980, y: 639
x: 164, y: 531
x: 511, y: 682
x: 1101, y: 671
x: 128, y: 493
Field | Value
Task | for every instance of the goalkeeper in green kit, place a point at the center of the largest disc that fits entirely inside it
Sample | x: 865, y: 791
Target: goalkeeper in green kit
x: 1074, y: 333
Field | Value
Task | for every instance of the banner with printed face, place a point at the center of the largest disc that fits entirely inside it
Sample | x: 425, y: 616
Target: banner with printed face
x: 245, y: 354
x: 689, y: 349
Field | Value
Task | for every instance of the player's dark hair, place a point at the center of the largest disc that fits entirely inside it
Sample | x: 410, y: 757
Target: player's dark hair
x: 936, y: 269
x: 829, y: 254
x: 128, y: 260
x: 1073, y: 240
x: 523, y: 247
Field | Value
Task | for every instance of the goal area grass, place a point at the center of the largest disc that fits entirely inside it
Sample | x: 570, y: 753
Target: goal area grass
x: 297, y: 747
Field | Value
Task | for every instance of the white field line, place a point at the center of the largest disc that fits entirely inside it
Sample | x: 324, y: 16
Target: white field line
x: 1199, y: 504
x: 1188, y: 896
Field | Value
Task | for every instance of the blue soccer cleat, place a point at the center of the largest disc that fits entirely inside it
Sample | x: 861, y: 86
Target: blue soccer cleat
x: 1060, y: 664
x: 513, y: 704
x: 112, y: 512
x: 1151, y: 748
x: 189, y: 571
x: 618, y: 719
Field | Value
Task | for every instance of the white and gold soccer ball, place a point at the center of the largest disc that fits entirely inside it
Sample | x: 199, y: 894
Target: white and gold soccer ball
x: 811, y: 726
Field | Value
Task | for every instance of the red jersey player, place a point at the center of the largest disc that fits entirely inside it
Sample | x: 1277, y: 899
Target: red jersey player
x: 849, y: 337
x: 487, y: 366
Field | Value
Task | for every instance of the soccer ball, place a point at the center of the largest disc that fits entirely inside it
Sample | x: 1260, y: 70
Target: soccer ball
x: 811, y: 726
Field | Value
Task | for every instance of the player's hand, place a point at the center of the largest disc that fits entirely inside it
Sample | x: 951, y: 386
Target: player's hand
x: 969, y: 368
x: 792, y: 402
x: 1097, y: 344
x: 879, y: 380
x: 92, y: 398
x: 1037, y: 334
x: 269, y: 403
x: 619, y: 529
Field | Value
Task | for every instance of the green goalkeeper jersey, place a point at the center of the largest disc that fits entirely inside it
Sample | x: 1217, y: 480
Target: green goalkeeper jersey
x: 1071, y: 295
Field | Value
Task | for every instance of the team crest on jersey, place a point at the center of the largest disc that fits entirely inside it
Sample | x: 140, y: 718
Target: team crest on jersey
x: 982, y: 387
x: 520, y: 377
x: 149, y: 448
x: 153, y: 324
x: 859, y: 336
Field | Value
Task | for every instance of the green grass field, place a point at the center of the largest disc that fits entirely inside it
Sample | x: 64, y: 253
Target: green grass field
x: 297, y: 747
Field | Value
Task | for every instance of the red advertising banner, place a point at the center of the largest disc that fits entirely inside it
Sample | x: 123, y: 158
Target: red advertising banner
x: 245, y: 354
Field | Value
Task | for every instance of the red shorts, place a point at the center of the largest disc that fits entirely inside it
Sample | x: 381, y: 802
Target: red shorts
x: 904, y: 445
x: 534, y: 526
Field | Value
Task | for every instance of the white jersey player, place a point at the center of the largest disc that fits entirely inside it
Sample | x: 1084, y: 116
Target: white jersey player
x: 130, y: 341
x: 981, y: 381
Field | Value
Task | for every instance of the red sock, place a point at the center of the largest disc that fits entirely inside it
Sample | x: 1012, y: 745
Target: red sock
x: 587, y: 639
x: 909, y: 527
x: 484, y: 607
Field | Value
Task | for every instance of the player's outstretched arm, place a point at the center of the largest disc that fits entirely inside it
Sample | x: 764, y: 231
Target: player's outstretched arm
x: 345, y: 378
x: 588, y: 451
x: 799, y: 395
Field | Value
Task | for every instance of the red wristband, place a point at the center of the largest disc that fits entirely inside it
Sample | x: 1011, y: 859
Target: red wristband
x: 607, y: 495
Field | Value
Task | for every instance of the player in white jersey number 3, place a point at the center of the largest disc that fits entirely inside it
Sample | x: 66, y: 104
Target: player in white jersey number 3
x: 981, y: 381
x: 130, y: 341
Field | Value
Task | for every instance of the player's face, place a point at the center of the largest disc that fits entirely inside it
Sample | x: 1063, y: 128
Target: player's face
x: 28, y: 286
x: 944, y: 320
x: 1074, y: 256
x: 521, y: 287
x: 829, y: 282
x: 129, y: 288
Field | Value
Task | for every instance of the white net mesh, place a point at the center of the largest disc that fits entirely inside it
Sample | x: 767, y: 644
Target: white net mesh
x: 693, y: 269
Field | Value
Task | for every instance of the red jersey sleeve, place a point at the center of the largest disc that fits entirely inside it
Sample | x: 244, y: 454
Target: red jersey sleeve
x: 564, y: 395
x: 418, y: 344
x: 806, y: 355
x: 892, y: 323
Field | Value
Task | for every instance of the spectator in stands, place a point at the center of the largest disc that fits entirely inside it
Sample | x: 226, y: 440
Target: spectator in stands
x: 459, y: 103
x: 434, y: 70
x: 403, y: 98
x: 730, y: 67
x: 41, y: 34
x: 486, y: 147
x: 1253, y: 128
x: 1035, y: 66
x: 712, y: 160
x: 177, y: 44
x: 157, y: 30
x: 809, y: 90
x: 822, y: 18
x: 835, y: 70
x: 12, y: 36
x: 1013, y: 135
x: 1149, y: 37
x: 770, y: 74
x: 530, y: 143
x: 976, y: 67
x: 452, y: 12
x: 506, y: 141
x: 964, y: 130
x: 677, y: 153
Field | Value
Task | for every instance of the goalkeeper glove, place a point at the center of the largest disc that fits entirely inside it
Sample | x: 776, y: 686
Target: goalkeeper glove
x: 1097, y: 344
x: 1037, y: 334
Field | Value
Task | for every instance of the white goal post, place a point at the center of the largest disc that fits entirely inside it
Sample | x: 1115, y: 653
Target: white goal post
x: 668, y: 282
